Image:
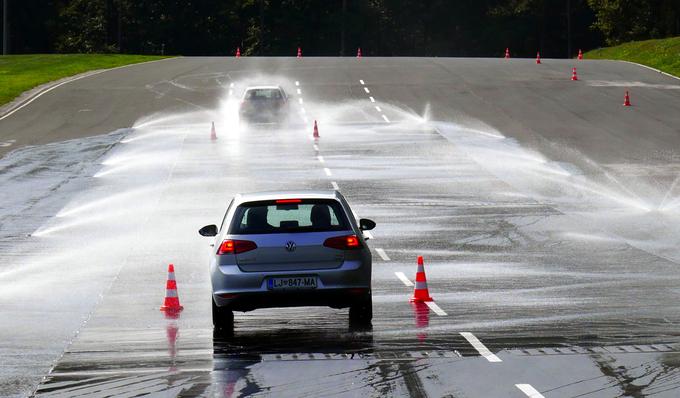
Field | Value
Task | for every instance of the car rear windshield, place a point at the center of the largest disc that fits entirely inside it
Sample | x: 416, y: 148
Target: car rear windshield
x: 265, y: 94
x: 289, y: 216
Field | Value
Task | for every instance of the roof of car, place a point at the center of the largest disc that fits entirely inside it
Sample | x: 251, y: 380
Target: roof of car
x: 263, y: 88
x: 275, y: 195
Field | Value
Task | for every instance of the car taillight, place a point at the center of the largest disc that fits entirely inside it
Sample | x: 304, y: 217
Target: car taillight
x: 230, y: 246
x: 348, y: 242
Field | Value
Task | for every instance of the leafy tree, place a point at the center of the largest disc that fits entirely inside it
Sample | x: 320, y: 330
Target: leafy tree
x: 622, y: 20
x: 86, y: 28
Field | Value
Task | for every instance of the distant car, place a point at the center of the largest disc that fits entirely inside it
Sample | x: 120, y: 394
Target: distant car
x: 290, y: 249
x: 264, y: 104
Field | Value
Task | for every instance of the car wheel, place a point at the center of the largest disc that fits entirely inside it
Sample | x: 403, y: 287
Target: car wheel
x: 223, y: 318
x: 361, y: 313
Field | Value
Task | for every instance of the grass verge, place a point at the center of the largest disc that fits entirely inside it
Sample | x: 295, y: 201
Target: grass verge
x: 19, y: 73
x: 662, y: 54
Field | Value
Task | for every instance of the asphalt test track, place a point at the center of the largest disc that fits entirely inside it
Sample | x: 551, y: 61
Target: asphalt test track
x: 546, y: 211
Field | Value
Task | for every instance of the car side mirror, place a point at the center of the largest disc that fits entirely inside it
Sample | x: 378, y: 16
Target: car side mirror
x: 366, y: 225
x: 208, y: 230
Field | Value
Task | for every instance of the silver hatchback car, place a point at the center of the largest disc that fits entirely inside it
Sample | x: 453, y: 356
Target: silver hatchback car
x: 290, y: 249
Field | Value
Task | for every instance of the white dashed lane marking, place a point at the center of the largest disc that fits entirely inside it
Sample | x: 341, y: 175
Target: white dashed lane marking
x: 529, y: 390
x: 299, y: 91
x: 382, y: 254
x: 481, y: 348
x: 377, y: 108
x: 327, y: 171
x: 368, y: 235
x: 297, y: 83
x: 300, y: 100
x: 320, y: 158
x: 435, y: 308
x: 404, y: 279
x: 335, y: 185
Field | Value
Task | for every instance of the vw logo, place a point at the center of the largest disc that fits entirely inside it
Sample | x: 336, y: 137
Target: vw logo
x: 290, y: 246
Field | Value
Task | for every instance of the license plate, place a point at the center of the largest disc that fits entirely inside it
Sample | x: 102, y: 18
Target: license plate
x: 295, y: 282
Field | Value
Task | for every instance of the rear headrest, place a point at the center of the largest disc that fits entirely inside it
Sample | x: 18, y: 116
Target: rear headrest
x: 320, y: 216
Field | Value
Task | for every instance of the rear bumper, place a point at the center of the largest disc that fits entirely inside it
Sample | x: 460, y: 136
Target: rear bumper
x: 245, y: 291
x: 335, y: 298
x: 265, y: 115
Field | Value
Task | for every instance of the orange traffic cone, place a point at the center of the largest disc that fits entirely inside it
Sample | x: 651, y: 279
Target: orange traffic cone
x: 171, y: 303
x: 316, y: 130
x: 238, y: 52
x: 626, y: 99
x: 573, y: 74
x: 538, y: 58
x: 213, y: 133
x: 299, y: 54
x: 420, y: 292
x: 359, y: 53
x: 507, y: 53
x: 580, y: 55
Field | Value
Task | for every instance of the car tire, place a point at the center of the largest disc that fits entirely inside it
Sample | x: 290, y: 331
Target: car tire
x: 223, y: 318
x: 361, y: 313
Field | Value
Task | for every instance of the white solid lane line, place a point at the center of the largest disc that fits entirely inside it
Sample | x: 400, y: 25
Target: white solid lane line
x: 70, y: 80
x: 335, y: 185
x: 372, y: 99
x: 386, y: 119
x: 435, y: 308
x: 529, y: 390
x: 362, y: 82
x: 481, y: 348
x: 403, y: 278
x: 327, y: 171
x: 367, y: 90
x: 382, y: 254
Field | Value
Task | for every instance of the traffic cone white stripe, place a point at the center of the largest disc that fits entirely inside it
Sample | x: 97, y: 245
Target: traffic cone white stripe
x: 421, y: 285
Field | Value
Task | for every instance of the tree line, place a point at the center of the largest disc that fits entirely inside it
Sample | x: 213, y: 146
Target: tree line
x: 557, y: 28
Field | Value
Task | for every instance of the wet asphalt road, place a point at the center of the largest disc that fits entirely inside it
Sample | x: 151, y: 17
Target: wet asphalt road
x: 546, y: 212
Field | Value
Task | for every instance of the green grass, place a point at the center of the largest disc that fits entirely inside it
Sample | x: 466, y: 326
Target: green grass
x: 662, y: 54
x: 19, y: 73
